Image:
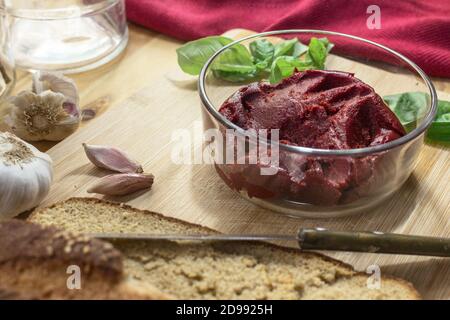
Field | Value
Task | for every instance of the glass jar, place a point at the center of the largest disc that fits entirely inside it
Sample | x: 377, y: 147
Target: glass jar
x: 66, y: 35
x: 7, y: 74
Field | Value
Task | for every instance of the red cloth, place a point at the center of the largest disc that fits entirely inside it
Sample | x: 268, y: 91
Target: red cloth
x: 420, y: 29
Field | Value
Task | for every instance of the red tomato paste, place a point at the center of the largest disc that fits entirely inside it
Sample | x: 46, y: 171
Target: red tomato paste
x: 317, y: 109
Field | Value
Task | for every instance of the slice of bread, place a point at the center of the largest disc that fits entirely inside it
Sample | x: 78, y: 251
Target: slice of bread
x: 219, y: 270
x: 37, y: 262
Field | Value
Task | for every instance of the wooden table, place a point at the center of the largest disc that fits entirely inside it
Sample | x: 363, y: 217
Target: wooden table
x: 145, y: 62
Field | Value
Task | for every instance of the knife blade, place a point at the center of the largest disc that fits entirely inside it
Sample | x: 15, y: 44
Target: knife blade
x: 192, y: 237
x: 315, y: 239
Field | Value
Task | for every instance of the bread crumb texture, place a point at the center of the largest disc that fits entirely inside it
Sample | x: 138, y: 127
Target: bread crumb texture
x: 217, y: 270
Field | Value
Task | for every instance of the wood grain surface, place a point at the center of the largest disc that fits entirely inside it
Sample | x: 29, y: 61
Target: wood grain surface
x: 142, y: 123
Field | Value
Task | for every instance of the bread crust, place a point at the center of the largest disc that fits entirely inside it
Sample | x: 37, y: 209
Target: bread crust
x: 407, y: 285
x: 21, y: 240
x: 34, y: 261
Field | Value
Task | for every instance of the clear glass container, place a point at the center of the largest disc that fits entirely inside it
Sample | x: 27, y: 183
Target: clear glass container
x: 66, y: 35
x: 376, y: 172
x: 7, y: 72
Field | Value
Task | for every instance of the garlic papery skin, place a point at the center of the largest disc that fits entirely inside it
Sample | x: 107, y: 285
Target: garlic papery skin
x: 56, y: 82
x: 43, y: 116
x: 4, y: 78
x: 2, y: 84
x: 25, y: 176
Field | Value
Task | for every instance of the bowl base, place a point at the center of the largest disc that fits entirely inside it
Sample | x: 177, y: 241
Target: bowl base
x: 304, y: 210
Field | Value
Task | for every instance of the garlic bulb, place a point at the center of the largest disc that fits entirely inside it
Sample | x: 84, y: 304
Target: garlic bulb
x: 25, y: 175
x: 44, y: 116
x: 56, y: 82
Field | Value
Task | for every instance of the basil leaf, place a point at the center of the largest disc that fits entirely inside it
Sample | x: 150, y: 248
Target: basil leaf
x: 392, y: 100
x: 292, y: 47
x: 439, y: 131
x: 263, y: 66
x: 317, y: 52
x: 284, y: 66
x: 281, y: 67
x: 440, y: 128
x: 285, y: 48
x: 194, y: 54
x: 299, y: 49
x: 443, y: 110
x: 328, y: 45
x: 234, y: 64
x: 410, y: 106
x: 234, y: 76
x: 444, y: 118
x: 237, y: 63
x: 262, y: 50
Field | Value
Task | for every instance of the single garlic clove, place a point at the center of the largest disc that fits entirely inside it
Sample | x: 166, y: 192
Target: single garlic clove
x: 111, y: 158
x: 122, y: 184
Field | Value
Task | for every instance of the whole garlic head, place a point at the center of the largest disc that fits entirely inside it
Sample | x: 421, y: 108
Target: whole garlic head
x: 25, y: 176
x: 44, y: 116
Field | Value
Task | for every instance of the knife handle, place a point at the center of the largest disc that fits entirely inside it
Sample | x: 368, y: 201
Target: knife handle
x: 373, y: 242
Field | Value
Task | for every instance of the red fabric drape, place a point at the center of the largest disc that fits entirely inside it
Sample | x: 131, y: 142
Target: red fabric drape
x: 418, y: 29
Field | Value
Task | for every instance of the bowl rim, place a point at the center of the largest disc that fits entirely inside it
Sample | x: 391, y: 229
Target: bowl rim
x: 324, y: 152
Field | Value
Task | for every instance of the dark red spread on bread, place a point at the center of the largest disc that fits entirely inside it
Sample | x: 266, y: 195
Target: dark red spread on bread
x: 317, y: 109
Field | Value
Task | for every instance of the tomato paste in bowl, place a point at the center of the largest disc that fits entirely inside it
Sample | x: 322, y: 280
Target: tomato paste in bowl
x: 316, y: 109
x: 339, y: 148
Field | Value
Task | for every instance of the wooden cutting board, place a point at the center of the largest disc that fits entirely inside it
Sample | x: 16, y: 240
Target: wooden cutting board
x: 143, y: 125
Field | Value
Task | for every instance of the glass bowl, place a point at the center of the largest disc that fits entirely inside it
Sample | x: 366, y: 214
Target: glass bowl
x: 66, y: 35
x: 7, y: 70
x: 281, y: 180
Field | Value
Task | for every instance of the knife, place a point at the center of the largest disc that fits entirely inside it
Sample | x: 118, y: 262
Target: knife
x: 316, y: 239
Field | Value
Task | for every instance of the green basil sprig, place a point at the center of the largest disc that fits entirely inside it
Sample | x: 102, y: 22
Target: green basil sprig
x: 262, y: 60
x: 411, y: 106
